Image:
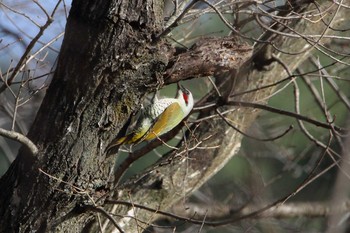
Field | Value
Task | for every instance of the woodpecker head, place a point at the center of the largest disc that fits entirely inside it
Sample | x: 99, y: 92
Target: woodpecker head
x: 185, y: 98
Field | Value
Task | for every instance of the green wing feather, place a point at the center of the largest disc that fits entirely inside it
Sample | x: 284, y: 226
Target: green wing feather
x: 128, y: 139
x: 165, y: 122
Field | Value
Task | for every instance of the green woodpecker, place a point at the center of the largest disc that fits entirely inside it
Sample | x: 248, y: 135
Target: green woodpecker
x: 158, y: 118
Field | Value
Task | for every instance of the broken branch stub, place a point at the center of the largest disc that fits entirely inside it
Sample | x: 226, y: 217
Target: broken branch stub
x: 208, y: 57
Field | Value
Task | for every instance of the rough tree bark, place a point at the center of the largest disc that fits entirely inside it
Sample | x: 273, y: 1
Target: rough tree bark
x: 106, y: 59
x: 107, y: 64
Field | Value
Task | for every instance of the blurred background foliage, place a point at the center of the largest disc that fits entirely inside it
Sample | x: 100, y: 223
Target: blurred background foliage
x: 261, y: 173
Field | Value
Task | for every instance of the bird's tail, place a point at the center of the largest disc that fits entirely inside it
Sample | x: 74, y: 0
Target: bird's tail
x: 114, y: 145
x: 132, y: 138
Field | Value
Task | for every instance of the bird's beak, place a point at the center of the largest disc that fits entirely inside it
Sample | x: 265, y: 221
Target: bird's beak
x: 180, y: 87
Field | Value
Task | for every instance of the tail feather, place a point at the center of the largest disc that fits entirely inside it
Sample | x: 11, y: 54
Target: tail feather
x: 117, y: 142
x: 132, y: 138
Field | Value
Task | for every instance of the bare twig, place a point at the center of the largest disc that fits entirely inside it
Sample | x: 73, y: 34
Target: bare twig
x: 106, y: 214
x: 333, y: 84
x: 286, y: 113
x: 20, y: 138
x: 250, y: 136
x: 179, y: 14
x: 24, y: 57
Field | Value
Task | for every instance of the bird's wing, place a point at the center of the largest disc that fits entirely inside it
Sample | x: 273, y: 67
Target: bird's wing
x: 133, y: 135
x: 166, y: 121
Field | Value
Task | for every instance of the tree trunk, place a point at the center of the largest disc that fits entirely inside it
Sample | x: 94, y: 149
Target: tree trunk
x: 104, y: 67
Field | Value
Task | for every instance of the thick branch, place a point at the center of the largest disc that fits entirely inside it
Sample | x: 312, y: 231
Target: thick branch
x: 286, y: 210
x: 208, y: 57
x: 216, y: 214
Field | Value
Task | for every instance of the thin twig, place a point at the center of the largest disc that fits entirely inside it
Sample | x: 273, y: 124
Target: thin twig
x: 284, y: 112
x: 333, y: 84
x: 24, y: 57
x: 106, y: 214
x: 250, y: 136
x: 20, y: 138
x: 173, y: 21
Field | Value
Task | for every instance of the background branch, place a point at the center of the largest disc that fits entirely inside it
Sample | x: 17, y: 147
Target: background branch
x: 20, y: 138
